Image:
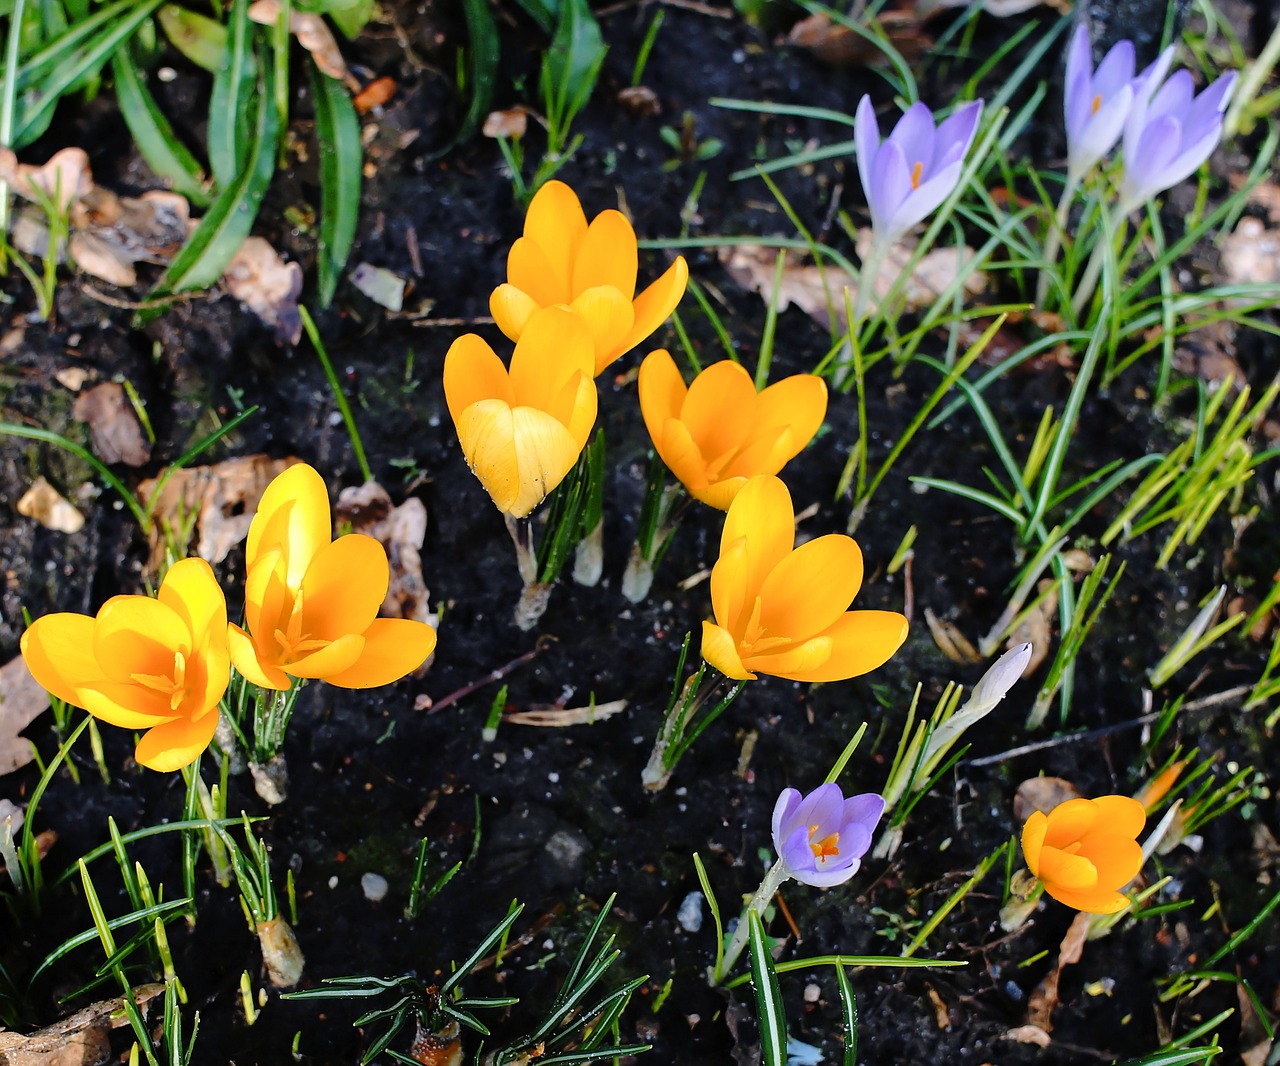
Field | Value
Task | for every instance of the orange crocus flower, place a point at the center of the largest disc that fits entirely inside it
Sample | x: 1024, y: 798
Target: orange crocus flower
x: 718, y: 432
x: 160, y: 664
x: 522, y: 430
x: 590, y: 269
x: 1085, y: 850
x: 782, y: 610
x: 311, y: 602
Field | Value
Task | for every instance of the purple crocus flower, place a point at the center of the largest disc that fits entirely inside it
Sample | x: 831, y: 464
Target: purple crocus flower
x: 1097, y: 102
x: 915, y: 168
x: 822, y: 837
x: 1169, y: 134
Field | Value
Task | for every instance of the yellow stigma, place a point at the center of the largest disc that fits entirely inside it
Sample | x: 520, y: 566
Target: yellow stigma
x: 828, y: 845
x: 915, y: 175
x: 1097, y: 103
x: 174, y: 687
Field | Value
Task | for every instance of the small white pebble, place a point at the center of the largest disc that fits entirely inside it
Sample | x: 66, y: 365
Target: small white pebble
x: 333, y: 881
x: 812, y: 993
x: 553, y: 777
x: 690, y: 913
x: 167, y: 74
x: 374, y: 886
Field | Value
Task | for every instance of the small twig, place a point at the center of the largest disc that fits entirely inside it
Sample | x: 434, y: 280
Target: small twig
x: 141, y: 305
x: 424, y: 323
x: 494, y: 675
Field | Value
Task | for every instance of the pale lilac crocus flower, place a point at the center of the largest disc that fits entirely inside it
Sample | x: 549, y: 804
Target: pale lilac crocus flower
x: 820, y: 839
x: 1169, y: 135
x: 915, y: 168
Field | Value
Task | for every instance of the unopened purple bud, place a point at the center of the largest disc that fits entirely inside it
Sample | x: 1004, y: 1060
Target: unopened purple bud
x: 1169, y: 135
x: 917, y: 166
x: 822, y: 837
x: 1095, y: 103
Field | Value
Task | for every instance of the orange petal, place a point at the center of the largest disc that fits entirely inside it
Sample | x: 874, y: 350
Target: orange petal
x: 58, y: 650
x: 530, y: 271
x: 762, y: 513
x: 268, y: 601
x: 344, y: 587
x: 487, y: 433
x: 681, y: 454
x: 1120, y: 816
x: 653, y: 307
x: 393, y: 647
x: 545, y: 453
x: 511, y: 309
x: 138, y: 635
x: 1033, y: 840
x: 767, y: 451
x: 800, y: 402
x: 805, y: 661
x: 731, y: 598
x: 662, y: 390
x: 473, y: 372
x: 1097, y: 900
x: 293, y: 515
x: 332, y: 659
x: 244, y: 657
x: 192, y: 591
x: 581, y: 399
x: 609, y: 315
x: 720, y: 650
x: 1061, y: 870
x: 127, y: 705
x: 811, y: 587
x: 608, y: 256
x: 721, y: 494
x: 175, y: 744
x: 555, y: 346
x: 719, y: 409
x: 558, y: 226
x: 1069, y: 821
x: 1118, y: 858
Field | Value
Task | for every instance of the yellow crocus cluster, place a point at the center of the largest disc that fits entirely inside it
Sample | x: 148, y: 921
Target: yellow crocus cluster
x: 570, y: 305
x: 162, y: 665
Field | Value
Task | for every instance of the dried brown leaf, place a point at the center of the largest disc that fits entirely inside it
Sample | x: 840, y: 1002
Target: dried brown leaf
x: 48, y: 507
x: 22, y: 700
x: 1029, y: 1034
x: 223, y: 496
x: 268, y: 286
x: 80, y: 1040
x: 102, y: 260
x: 401, y: 530
x: 513, y: 122
x: 952, y: 643
x: 839, y: 46
x: 1251, y: 253
x: 114, y: 433
x: 64, y: 178
x: 559, y: 717
x: 1042, y: 794
x: 313, y: 34
x: 1044, y: 998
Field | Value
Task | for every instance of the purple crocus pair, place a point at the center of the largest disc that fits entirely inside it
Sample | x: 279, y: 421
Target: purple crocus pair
x: 1168, y: 131
x: 822, y: 837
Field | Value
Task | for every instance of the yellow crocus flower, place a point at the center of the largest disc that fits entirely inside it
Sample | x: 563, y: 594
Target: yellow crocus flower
x: 590, y: 269
x: 781, y: 610
x: 718, y: 432
x: 160, y: 664
x: 1086, y: 850
x: 522, y: 430
x: 311, y: 602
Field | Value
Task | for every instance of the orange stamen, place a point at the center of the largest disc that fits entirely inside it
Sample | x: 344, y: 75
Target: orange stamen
x: 826, y: 847
x: 916, y: 171
x: 1097, y: 103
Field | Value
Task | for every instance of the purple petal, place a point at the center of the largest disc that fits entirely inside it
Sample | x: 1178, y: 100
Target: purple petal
x: 854, y: 842
x: 866, y: 809
x: 956, y: 133
x: 921, y: 202
x: 794, y: 850
x: 1190, y: 158
x: 1173, y: 97
x: 1079, y: 64
x: 831, y: 874
x: 914, y: 134
x: 788, y: 801
x: 1149, y: 80
x: 1218, y: 95
x: 1146, y: 165
x: 1100, y: 133
x: 1115, y: 71
x: 822, y: 808
x: 866, y: 137
x: 890, y: 188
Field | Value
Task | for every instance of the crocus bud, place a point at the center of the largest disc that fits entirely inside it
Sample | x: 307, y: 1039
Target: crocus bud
x: 1000, y: 678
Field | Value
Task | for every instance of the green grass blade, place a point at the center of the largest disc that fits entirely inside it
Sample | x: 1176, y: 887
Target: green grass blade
x: 236, y: 91
x: 341, y: 160
x: 770, y: 1012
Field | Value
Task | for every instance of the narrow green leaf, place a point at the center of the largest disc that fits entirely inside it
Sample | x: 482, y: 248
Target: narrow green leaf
x: 770, y: 1012
x: 483, y: 53
x: 341, y: 160
x: 201, y: 39
x: 164, y: 153
x: 849, y: 1010
x: 232, y: 101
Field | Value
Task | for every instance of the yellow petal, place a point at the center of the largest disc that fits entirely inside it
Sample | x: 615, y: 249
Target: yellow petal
x: 1033, y: 840
x: 608, y: 314
x: 268, y: 602
x: 293, y: 516
x: 861, y: 641
x: 511, y: 309
x: 1120, y: 815
x: 804, y: 661
x: 811, y: 587
x: 530, y: 271
x: 175, y: 744
x: 719, y: 409
x: 767, y: 451
x: 1071, y: 872
x: 662, y: 390
x: 332, y: 659
x: 762, y: 513
x: 558, y: 226
x: 719, y: 649
x: 487, y: 433
x: 581, y: 398
x: 58, y: 650
x: 608, y: 256
x: 127, y: 705
x: 731, y: 598
x: 1096, y: 900
x: 545, y: 453
x: 1069, y: 821
x: 683, y: 456
x: 653, y: 307
x: 393, y: 648
x: 555, y: 346
x: 799, y: 402
x: 1117, y: 858
x: 244, y: 656
x: 473, y: 372
x: 138, y: 635
x: 344, y: 587
x: 192, y: 591
x: 720, y: 495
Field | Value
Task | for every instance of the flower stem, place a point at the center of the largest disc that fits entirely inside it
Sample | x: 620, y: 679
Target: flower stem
x: 1054, y: 244
x: 773, y: 880
x: 1112, y: 231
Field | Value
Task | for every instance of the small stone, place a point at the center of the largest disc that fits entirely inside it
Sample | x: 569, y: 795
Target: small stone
x: 374, y: 886
x: 690, y: 913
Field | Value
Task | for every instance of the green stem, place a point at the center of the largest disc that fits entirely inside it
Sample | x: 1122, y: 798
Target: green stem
x: 778, y: 873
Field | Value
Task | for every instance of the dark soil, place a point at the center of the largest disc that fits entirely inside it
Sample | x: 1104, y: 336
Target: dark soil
x: 560, y: 816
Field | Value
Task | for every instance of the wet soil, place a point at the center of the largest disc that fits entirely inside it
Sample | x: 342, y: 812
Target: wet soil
x: 556, y: 818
